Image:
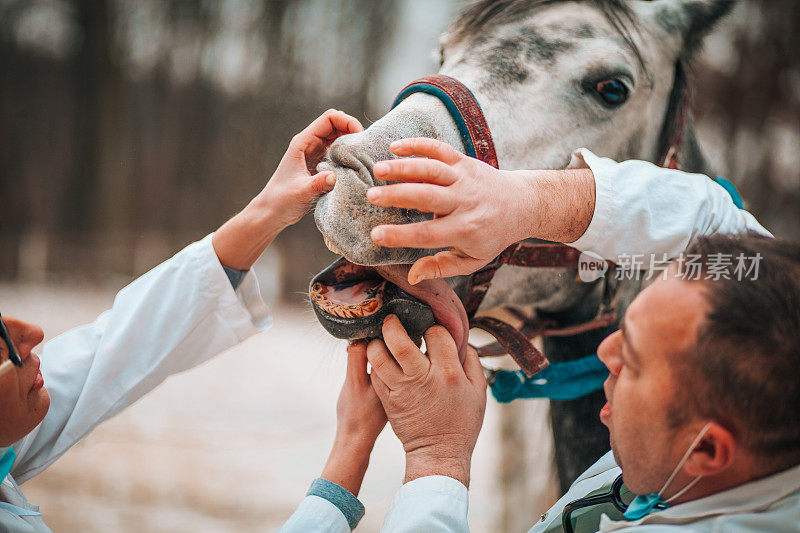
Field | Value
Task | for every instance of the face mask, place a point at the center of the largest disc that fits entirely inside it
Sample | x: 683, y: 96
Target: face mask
x: 642, y: 506
x: 7, y: 457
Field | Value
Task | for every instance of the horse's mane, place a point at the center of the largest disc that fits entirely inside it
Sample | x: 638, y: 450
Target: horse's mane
x: 484, y: 15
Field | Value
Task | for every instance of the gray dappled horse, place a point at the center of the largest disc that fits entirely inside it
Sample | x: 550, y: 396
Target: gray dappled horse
x: 551, y: 76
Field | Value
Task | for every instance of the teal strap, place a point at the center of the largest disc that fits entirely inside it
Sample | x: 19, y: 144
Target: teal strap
x: 729, y: 187
x: 567, y: 380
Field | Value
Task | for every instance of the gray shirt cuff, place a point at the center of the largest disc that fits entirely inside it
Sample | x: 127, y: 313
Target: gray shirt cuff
x: 343, y: 499
x: 234, y: 276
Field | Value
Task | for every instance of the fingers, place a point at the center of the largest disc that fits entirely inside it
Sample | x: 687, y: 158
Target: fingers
x: 443, y: 265
x: 473, y: 369
x: 442, y: 349
x: 326, y: 127
x: 427, y: 234
x: 332, y: 122
x: 383, y: 364
x: 321, y: 183
x: 423, y: 197
x: 357, y: 363
x: 427, y: 170
x: 425, y: 147
x: 411, y: 359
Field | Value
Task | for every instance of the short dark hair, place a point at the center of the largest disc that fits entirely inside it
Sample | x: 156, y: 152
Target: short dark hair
x: 744, y: 371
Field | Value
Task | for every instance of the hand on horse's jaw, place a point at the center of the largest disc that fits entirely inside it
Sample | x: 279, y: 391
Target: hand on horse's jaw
x: 446, y: 306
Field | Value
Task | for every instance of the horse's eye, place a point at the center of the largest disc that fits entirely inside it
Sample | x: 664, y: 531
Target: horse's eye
x: 613, y: 92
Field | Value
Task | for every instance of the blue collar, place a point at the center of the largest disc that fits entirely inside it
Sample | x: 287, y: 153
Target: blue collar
x: 6, y: 461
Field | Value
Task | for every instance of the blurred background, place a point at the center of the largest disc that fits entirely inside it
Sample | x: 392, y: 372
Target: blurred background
x: 129, y: 128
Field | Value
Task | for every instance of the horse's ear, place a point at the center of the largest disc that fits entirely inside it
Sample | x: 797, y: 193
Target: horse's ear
x: 691, y: 19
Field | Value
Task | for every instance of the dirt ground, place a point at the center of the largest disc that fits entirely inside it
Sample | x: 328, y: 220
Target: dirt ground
x: 233, y: 444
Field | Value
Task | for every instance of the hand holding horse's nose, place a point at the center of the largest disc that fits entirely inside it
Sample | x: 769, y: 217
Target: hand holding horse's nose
x: 288, y: 195
x: 478, y: 210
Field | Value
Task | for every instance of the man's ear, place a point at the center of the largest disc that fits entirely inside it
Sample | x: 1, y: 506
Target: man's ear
x: 691, y: 20
x: 713, y: 454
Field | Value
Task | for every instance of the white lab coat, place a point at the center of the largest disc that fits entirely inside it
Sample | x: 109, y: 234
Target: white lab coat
x: 640, y: 209
x: 173, y: 318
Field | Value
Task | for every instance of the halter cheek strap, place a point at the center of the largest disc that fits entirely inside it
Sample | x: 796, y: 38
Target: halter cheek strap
x: 464, y: 110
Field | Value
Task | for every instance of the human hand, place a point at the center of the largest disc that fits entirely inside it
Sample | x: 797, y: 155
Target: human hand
x: 478, y: 210
x: 434, y: 404
x: 287, y: 196
x: 292, y: 188
x: 360, y: 418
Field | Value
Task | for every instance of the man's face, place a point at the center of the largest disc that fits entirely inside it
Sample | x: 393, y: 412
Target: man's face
x: 23, y: 399
x: 659, y: 327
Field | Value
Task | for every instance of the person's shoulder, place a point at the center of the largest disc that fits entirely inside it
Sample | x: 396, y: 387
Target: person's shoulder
x: 602, y: 465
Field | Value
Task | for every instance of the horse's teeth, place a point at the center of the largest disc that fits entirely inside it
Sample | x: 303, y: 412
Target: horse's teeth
x: 358, y: 310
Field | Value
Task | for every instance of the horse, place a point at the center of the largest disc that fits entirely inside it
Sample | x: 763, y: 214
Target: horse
x: 551, y: 76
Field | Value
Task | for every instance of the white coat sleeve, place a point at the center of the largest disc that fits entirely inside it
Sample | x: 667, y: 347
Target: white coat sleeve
x: 434, y: 504
x: 316, y: 515
x: 173, y: 318
x: 641, y: 208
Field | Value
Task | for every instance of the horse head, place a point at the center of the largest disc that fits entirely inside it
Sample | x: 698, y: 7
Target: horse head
x: 551, y: 76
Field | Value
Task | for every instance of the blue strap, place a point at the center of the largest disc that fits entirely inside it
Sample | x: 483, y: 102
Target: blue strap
x: 455, y: 114
x: 567, y: 380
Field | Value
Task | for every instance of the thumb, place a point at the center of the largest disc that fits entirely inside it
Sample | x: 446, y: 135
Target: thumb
x: 473, y: 368
x: 380, y: 388
x: 357, y: 363
x: 443, y: 265
x: 321, y: 183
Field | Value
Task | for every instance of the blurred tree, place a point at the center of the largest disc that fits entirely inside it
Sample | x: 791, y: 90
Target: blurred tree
x: 747, y: 105
x: 129, y: 128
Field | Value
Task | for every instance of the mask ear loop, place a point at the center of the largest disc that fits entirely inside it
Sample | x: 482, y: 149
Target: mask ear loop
x: 680, y: 465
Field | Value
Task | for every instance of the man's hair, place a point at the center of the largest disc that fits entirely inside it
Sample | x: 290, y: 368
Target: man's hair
x: 744, y: 371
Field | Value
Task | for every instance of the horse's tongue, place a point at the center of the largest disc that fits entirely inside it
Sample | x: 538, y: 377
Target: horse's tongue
x: 447, y: 308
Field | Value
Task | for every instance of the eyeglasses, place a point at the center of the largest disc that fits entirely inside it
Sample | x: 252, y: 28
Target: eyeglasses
x: 13, y: 356
x: 619, y: 496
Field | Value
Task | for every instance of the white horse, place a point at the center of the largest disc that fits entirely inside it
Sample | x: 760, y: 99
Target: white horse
x: 551, y: 76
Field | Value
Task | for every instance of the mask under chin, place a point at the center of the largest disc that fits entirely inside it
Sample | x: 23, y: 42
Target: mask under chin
x: 351, y: 301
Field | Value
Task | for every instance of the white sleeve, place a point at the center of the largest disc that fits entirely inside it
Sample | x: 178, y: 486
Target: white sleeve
x: 316, y: 515
x: 641, y: 208
x: 434, y: 504
x: 173, y: 318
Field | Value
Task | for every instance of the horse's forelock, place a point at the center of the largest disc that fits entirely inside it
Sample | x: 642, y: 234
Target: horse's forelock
x: 481, y: 16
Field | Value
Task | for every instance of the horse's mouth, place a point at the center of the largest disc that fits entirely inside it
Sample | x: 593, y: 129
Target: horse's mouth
x: 351, y: 302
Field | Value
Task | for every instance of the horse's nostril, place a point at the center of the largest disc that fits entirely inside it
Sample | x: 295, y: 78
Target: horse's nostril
x: 352, y: 157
